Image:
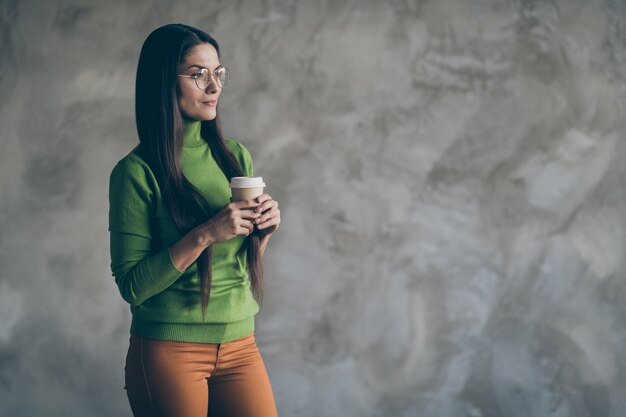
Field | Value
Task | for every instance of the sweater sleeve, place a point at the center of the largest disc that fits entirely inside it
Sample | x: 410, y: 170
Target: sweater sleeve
x: 242, y: 155
x: 139, y: 272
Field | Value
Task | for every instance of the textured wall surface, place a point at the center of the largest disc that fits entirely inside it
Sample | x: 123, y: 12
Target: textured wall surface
x: 450, y: 173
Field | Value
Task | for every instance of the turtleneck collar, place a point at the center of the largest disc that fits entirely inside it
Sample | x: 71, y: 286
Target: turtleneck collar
x: 192, y: 138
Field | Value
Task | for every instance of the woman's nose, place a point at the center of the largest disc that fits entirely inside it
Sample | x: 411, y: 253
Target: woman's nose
x: 212, y: 87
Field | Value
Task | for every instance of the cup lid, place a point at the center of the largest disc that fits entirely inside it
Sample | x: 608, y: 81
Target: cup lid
x: 247, y: 182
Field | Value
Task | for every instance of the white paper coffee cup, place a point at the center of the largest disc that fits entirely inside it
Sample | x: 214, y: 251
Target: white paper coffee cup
x: 246, y: 188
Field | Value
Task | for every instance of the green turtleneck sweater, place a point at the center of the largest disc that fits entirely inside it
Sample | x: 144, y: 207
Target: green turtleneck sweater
x: 165, y: 302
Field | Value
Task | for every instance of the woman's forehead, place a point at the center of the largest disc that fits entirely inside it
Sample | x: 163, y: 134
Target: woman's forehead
x: 203, y: 55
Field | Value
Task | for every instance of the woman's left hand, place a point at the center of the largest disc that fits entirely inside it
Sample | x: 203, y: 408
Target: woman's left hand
x: 269, y: 221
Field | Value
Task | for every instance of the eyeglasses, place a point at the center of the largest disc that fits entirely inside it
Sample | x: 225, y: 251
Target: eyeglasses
x: 203, y: 77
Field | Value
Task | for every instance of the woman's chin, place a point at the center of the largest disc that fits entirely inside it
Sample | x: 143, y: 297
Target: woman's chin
x: 209, y: 115
x: 204, y: 116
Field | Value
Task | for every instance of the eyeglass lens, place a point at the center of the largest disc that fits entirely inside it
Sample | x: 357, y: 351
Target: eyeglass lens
x: 204, y: 77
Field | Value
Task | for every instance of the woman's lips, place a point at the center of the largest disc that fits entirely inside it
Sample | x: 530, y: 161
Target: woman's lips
x: 210, y: 103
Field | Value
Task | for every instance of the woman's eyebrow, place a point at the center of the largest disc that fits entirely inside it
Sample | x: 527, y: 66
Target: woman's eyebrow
x: 200, y: 67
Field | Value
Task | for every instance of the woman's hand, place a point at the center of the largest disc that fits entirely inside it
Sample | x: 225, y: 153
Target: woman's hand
x: 269, y: 215
x: 235, y: 219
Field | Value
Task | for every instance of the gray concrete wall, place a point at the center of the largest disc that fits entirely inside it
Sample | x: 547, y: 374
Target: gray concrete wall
x: 451, y: 178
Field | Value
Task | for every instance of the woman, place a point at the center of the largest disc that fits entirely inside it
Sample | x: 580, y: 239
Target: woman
x: 186, y: 258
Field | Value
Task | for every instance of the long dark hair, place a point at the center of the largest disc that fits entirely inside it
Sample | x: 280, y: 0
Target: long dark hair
x: 161, y: 129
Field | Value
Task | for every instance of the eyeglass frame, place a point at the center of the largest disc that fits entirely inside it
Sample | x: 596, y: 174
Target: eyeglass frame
x: 213, y: 76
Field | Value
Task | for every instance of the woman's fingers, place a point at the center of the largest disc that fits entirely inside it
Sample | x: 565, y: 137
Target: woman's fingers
x: 249, y: 214
x: 262, y: 212
x: 270, y: 218
x: 266, y: 205
x: 269, y: 223
x: 243, y: 209
x: 263, y: 197
x: 245, y: 228
x: 270, y: 214
x: 245, y: 204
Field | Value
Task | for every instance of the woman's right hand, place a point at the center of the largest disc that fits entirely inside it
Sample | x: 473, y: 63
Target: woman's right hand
x: 235, y: 219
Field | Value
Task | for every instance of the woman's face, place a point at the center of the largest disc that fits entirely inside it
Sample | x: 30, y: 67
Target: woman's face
x: 193, y: 102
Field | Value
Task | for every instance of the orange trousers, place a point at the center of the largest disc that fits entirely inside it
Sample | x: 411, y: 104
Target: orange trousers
x: 180, y: 379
